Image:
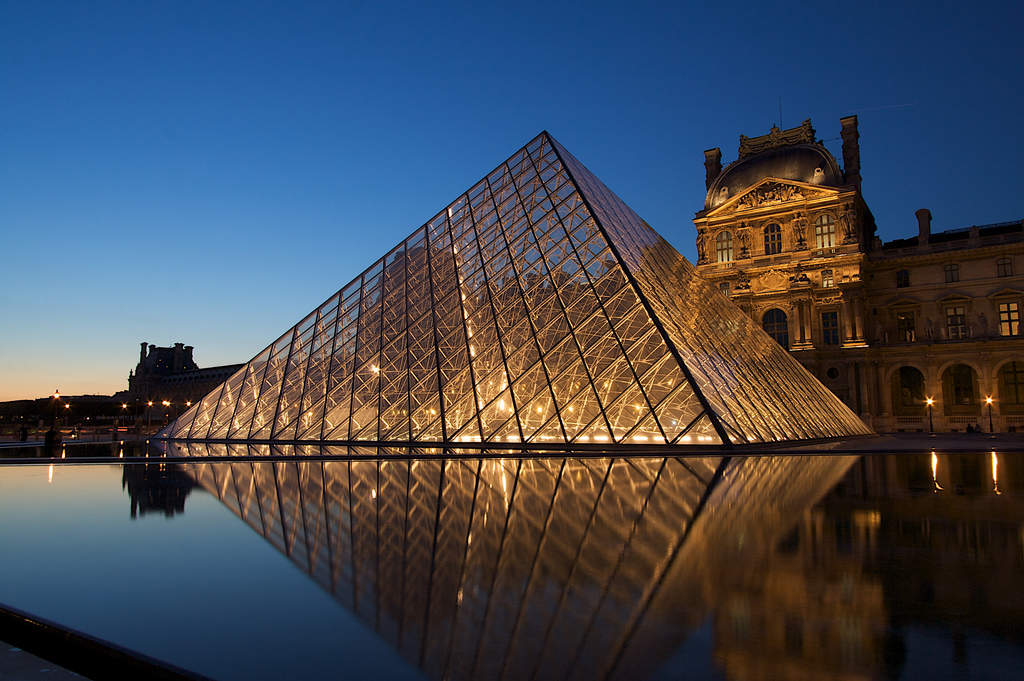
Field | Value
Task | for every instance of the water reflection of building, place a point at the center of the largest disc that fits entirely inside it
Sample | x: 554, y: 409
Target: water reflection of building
x: 156, y: 488
x: 562, y: 568
x: 908, y: 543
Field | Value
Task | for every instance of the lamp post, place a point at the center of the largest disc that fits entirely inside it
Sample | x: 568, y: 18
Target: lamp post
x: 988, y: 401
x: 931, y: 424
x: 149, y: 415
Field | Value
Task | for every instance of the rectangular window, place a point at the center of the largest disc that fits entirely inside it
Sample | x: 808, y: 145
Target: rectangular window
x: 1009, y: 319
x: 826, y: 279
x: 1004, y: 267
x: 952, y: 273
x: 825, y: 232
x: 956, y: 322
x: 830, y: 328
x: 906, y: 331
x: 724, y: 287
x: 772, y: 239
x: 902, y: 279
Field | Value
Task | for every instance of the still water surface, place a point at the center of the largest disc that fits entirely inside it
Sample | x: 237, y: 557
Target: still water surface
x: 904, y: 566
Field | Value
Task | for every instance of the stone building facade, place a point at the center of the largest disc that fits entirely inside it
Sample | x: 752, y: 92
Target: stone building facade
x: 170, y: 374
x: 786, y: 233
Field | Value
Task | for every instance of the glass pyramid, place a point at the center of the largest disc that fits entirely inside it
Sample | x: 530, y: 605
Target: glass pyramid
x: 537, y: 308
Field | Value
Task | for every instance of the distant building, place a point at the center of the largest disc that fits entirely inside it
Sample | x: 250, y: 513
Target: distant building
x: 170, y: 373
x: 786, y: 234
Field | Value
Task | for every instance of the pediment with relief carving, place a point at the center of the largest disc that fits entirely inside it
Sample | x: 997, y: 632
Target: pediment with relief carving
x: 772, y: 192
x: 774, y: 280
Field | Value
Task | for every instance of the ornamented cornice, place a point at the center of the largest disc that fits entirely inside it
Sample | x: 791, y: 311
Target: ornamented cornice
x: 802, y: 134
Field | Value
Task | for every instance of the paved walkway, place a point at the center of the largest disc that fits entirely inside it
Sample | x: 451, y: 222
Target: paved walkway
x: 17, y: 665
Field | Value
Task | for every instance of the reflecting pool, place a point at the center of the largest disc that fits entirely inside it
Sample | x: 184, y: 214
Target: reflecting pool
x: 450, y: 566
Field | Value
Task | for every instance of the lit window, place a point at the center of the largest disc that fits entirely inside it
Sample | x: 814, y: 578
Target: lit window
x: 952, y: 273
x: 956, y: 322
x: 830, y: 327
x: 827, y: 280
x: 1009, y: 319
x: 906, y: 331
x: 776, y: 325
x: 723, y: 286
x: 772, y: 239
x: 825, y: 231
x: 723, y: 246
x: 902, y: 279
x: 1004, y: 267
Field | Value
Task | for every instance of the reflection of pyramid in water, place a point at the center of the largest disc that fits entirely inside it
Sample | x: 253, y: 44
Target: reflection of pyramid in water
x: 536, y: 308
x: 539, y: 568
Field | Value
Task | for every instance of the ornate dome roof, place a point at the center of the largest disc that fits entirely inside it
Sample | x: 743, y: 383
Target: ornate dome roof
x: 810, y: 163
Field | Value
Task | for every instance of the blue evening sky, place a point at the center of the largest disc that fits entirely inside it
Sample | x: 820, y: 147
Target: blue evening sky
x: 209, y: 172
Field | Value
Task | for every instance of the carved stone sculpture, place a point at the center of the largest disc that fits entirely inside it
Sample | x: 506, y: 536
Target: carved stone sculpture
x: 769, y: 194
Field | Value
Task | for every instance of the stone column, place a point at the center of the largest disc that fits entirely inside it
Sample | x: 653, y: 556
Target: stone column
x: 807, y: 322
x: 845, y: 333
x: 858, y: 315
x: 800, y: 322
x: 884, y: 393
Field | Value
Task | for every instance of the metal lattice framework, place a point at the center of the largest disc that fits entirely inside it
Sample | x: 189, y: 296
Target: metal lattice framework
x: 537, y: 308
x: 520, y: 568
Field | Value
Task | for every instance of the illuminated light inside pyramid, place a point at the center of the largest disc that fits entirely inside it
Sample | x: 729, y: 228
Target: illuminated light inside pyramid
x: 537, y: 308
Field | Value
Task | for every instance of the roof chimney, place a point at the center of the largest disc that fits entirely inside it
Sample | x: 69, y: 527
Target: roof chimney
x: 142, y: 352
x: 712, y: 166
x: 851, y: 150
x: 924, y: 225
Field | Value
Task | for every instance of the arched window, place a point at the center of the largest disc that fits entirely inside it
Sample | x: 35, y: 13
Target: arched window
x: 825, y: 231
x: 1011, y: 385
x: 775, y: 324
x: 959, y: 392
x: 723, y: 246
x: 772, y: 239
x: 909, y: 397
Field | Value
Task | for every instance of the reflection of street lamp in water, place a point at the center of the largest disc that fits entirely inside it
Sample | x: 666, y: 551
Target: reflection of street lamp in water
x: 931, y: 425
x: 935, y: 469
x: 995, y: 474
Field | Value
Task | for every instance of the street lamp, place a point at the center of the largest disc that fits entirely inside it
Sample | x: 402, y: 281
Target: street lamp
x: 149, y: 414
x: 931, y: 424
x: 988, y: 401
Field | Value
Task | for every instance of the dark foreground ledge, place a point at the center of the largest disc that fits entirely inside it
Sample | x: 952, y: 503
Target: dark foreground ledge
x: 81, y: 653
